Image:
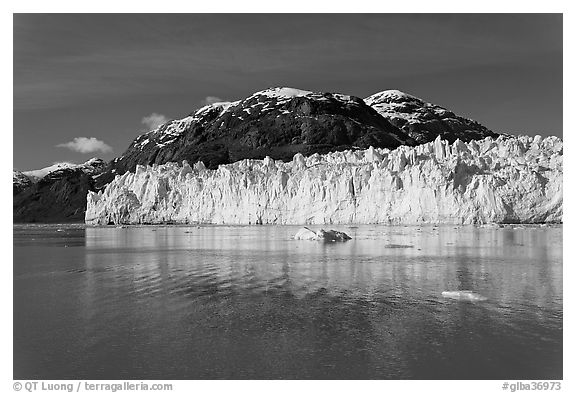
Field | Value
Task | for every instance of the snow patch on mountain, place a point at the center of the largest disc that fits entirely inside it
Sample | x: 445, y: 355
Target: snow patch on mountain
x: 278, y: 122
x: 170, y: 131
x: 515, y: 180
x: 220, y: 107
x: 91, y: 166
x: 282, y: 93
x: 397, y: 104
x: 20, y: 181
x: 38, y: 174
x: 422, y: 120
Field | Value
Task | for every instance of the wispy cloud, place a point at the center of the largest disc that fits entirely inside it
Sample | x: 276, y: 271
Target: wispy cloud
x: 210, y: 100
x: 86, y: 145
x: 154, y: 121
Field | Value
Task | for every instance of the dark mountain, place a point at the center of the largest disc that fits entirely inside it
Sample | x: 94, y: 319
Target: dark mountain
x: 19, y: 182
x: 424, y: 121
x: 54, y: 194
x: 277, y: 122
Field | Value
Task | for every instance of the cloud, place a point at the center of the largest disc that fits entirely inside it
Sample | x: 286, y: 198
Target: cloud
x: 86, y: 145
x: 154, y: 121
x: 210, y: 100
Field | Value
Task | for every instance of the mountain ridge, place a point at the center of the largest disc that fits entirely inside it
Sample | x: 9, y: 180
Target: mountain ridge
x: 56, y: 193
x: 424, y: 121
x: 277, y: 122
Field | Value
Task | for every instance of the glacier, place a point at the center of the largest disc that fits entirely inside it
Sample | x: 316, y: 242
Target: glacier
x: 494, y: 180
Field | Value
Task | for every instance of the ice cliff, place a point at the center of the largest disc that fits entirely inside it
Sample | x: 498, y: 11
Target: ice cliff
x: 508, y: 179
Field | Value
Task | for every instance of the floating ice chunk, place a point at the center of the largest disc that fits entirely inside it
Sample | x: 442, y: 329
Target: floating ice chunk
x: 464, y: 295
x: 327, y: 236
x: 305, y: 234
x: 491, y: 225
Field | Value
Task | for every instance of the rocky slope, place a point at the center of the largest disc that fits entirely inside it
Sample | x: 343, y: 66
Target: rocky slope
x: 93, y: 166
x: 504, y: 180
x: 56, y: 193
x: 277, y: 122
x: 20, y: 182
x: 424, y: 121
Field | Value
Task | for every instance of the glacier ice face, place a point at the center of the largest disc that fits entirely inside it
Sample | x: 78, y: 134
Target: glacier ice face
x: 516, y: 180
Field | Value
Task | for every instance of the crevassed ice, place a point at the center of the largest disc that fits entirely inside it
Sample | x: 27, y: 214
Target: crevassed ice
x: 500, y: 180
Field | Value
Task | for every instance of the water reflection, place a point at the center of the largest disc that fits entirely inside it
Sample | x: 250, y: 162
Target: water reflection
x: 250, y: 302
x: 507, y: 263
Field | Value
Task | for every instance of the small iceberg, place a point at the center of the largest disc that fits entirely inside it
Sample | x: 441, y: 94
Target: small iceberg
x: 491, y: 225
x: 322, y: 235
x: 464, y: 295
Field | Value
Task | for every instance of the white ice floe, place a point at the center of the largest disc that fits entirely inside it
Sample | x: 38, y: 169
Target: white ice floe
x: 321, y: 235
x: 464, y: 295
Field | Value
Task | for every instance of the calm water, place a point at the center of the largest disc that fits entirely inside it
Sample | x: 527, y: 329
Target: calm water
x: 249, y: 302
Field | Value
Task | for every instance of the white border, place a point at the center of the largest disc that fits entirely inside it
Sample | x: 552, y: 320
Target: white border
x: 229, y: 6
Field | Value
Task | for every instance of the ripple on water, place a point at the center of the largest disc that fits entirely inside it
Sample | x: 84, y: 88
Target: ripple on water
x: 249, y: 302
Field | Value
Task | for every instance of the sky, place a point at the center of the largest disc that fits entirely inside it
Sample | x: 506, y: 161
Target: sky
x: 86, y: 85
